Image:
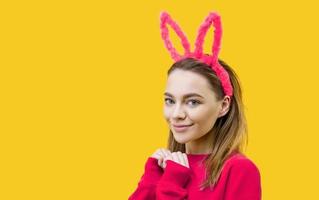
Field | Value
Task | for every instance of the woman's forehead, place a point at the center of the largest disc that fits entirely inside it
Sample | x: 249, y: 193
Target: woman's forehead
x: 180, y: 83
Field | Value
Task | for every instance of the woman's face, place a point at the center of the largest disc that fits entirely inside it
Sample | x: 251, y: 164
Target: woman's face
x: 189, y: 101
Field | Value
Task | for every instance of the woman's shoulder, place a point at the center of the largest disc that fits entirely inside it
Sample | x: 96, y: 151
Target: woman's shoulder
x: 241, y: 177
x: 240, y: 163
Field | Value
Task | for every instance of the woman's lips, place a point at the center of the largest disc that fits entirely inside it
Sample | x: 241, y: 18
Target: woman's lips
x: 181, y: 128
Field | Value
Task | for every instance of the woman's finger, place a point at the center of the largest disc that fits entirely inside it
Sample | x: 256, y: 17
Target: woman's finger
x: 160, y: 162
x: 157, y: 153
x: 169, y: 157
x: 166, y: 152
x: 186, y: 159
x: 175, y: 157
x: 162, y: 152
x: 181, y: 158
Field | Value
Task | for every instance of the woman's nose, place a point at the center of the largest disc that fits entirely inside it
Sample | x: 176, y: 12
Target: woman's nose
x: 178, y: 112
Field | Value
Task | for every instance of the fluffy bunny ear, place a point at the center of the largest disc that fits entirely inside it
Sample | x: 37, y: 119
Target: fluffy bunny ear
x: 166, y: 19
x: 214, y: 19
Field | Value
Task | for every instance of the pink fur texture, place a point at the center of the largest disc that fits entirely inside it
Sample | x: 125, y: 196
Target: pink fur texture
x: 211, y: 60
x: 166, y: 18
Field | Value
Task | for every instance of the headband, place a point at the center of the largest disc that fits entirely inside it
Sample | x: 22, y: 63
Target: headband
x: 211, y: 60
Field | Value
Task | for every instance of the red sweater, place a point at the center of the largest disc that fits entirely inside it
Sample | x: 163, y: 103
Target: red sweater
x: 239, y: 180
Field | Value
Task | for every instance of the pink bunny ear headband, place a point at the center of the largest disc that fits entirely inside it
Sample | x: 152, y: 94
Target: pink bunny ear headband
x: 211, y: 60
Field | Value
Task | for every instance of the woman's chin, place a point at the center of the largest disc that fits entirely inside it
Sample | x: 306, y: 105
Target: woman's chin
x: 182, y: 139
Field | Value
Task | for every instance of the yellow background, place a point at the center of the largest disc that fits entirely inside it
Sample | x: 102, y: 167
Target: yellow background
x: 82, y: 84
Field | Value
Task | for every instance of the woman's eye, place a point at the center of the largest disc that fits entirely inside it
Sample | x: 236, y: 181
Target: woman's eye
x: 194, y: 102
x: 168, y: 101
x: 190, y: 102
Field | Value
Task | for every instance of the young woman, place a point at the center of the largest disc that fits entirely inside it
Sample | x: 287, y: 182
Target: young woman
x: 205, y: 113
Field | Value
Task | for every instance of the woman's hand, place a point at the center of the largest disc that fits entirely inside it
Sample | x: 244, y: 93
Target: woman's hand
x: 177, y: 157
x: 160, y: 154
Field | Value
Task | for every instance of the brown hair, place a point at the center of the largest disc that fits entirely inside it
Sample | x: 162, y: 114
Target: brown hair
x: 229, y: 131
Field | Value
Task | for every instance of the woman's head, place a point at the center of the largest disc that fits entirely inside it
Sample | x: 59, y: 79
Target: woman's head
x: 192, y: 98
x: 218, y: 123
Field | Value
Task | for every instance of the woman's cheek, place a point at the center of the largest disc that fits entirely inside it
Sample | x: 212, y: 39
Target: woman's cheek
x: 195, y: 114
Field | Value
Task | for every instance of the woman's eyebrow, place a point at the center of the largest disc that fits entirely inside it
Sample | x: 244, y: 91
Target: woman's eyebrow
x: 185, y: 96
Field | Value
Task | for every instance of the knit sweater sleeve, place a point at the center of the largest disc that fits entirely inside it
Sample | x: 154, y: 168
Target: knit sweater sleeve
x: 243, y: 181
x: 172, y: 185
x: 147, y: 185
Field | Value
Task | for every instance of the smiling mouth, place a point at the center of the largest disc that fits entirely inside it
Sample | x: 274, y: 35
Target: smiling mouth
x: 182, y: 128
x: 182, y: 125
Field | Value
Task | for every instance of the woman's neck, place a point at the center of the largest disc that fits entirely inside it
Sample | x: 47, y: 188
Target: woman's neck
x: 202, y: 145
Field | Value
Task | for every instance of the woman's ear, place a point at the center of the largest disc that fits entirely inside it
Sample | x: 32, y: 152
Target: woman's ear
x: 224, y: 107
